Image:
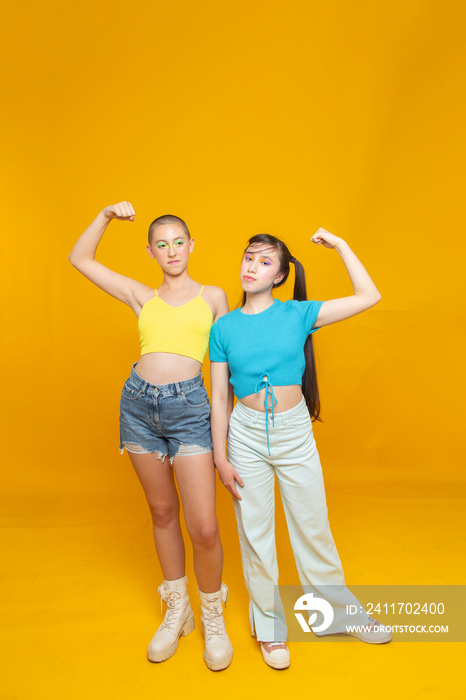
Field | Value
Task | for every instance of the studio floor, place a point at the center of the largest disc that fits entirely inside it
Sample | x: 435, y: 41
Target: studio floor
x: 80, y: 601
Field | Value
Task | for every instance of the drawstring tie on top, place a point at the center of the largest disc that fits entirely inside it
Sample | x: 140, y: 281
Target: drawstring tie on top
x: 265, y: 384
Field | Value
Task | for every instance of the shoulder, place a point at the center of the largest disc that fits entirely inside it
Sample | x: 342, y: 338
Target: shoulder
x: 286, y: 309
x: 306, y: 310
x: 222, y: 333
x: 228, y: 320
x: 216, y: 298
x: 212, y: 293
x: 302, y: 307
x: 230, y: 317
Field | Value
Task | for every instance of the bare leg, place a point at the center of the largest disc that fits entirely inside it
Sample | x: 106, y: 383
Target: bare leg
x: 195, y: 476
x: 157, y: 480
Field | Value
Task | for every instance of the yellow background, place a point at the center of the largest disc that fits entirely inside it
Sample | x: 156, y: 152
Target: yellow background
x: 240, y: 117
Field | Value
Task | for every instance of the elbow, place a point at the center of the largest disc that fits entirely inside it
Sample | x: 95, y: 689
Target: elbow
x: 373, y: 300
x: 370, y: 300
x: 373, y: 295
x: 76, y: 260
x: 73, y: 257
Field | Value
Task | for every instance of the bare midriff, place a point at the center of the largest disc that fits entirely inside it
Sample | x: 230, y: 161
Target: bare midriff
x: 287, y: 397
x: 165, y: 368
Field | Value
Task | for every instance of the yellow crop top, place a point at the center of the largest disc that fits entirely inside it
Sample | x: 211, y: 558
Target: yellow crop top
x: 182, y: 330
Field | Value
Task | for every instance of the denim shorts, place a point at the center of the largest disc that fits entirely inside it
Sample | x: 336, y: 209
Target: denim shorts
x: 170, y: 419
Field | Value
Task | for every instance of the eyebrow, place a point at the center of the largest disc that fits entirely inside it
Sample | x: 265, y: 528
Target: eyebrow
x: 261, y: 255
x: 163, y: 240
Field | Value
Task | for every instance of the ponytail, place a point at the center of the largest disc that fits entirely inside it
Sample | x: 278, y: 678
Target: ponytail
x: 309, y: 380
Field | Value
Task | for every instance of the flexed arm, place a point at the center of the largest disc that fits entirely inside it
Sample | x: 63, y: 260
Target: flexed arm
x: 82, y: 257
x: 365, y: 294
x: 222, y: 404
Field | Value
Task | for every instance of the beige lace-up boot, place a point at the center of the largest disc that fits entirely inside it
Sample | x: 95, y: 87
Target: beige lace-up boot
x: 178, y: 620
x: 218, y: 650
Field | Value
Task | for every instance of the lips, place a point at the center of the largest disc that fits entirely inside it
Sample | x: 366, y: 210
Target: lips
x: 173, y: 262
x: 247, y: 278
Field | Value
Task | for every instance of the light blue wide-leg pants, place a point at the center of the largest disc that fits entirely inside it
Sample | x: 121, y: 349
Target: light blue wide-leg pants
x: 295, y: 460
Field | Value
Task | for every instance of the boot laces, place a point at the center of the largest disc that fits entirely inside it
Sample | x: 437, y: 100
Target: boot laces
x: 172, y: 602
x: 276, y: 645
x: 374, y: 623
x: 213, y: 620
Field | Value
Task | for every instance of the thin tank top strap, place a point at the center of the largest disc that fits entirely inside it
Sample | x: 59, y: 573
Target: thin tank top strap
x: 201, y: 291
x: 156, y: 292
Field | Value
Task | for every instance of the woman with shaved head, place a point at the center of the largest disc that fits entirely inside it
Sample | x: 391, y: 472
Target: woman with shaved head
x: 165, y: 422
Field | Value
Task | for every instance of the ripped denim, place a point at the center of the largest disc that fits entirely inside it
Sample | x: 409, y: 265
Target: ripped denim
x: 170, y: 420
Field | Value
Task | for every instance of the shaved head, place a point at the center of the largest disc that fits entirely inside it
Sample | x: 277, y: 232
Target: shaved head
x: 168, y: 219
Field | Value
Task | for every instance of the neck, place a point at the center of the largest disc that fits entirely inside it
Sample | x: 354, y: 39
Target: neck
x: 175, y: 282
x: 255, y: 303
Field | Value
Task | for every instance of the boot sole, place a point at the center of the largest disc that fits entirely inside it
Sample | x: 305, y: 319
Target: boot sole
x: 218, y: 664
x: 158, y: 656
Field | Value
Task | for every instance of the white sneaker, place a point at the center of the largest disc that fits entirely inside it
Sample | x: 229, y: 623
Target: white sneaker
x: 178, y: 620
x: 218, y: 649
x: 373, y: 633
x: 277, y: 654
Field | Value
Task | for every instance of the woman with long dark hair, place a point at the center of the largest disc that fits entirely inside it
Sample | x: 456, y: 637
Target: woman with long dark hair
x: 264, y: 349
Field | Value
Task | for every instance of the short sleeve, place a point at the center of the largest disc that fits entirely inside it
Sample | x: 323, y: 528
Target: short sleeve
x: 308, y: 310
x: 216, y: 349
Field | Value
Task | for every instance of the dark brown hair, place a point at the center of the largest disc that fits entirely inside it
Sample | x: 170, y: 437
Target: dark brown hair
x: 168, y: 219
x: 309, y: 379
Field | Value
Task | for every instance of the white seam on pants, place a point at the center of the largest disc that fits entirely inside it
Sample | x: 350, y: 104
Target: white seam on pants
x: 295, y: 461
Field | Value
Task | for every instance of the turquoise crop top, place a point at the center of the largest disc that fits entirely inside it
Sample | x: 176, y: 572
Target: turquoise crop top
x: 268, y: 344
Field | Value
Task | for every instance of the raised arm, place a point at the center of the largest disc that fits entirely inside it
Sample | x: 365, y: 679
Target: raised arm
x: 222, y: 404
x: 82, y: 257
x: 365, y: 294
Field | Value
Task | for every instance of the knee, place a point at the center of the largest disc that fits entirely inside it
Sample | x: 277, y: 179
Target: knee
x: 163, y: 514
x: 205, y: 535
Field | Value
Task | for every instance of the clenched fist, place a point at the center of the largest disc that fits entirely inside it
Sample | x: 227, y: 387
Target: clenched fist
x: 123, y: 211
